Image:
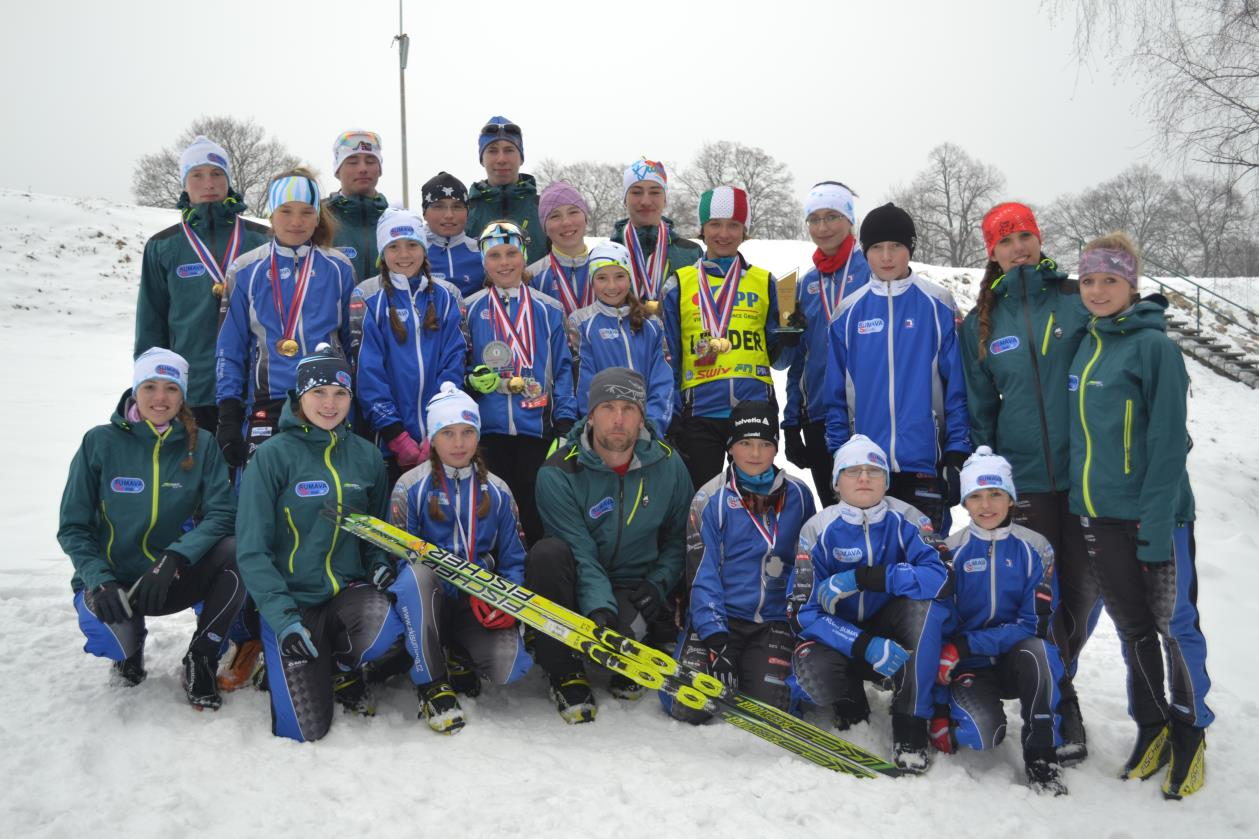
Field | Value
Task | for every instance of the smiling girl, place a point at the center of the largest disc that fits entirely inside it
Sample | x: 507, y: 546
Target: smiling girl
x: 564, y: 272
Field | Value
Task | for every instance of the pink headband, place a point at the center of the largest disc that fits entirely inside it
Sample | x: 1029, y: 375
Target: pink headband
x: 1109, y: 261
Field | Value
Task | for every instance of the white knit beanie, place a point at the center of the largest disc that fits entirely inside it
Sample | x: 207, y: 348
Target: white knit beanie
x: 160, y: 363
x: 860, y: 450
x: 451, y: 406
x: 203, y: 152
x: 985, y: 470
x: 395, y: 224
x: 830, y: 196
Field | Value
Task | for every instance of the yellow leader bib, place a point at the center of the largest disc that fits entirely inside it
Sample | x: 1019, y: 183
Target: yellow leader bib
x: 748, y: 357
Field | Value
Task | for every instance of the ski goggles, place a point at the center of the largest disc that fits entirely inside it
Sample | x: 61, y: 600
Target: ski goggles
x: 356, y: 142
x: 501, y: 233
x: 501, y: 129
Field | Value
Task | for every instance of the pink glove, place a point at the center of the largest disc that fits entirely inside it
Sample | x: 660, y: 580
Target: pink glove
x: 407, y: 450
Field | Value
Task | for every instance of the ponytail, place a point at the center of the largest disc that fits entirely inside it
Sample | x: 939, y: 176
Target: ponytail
x: 189, y: 422
x: 987, y: 298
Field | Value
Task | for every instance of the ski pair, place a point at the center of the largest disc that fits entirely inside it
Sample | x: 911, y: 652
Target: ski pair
x: 645, y: 665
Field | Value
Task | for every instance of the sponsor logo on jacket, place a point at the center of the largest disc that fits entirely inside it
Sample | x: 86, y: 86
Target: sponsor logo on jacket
x: 349, y: 251
x: 867, y: 327
x: 733, y: 502
x: 192, y: 269
x: 811, y: 288
x: 309, y: 489
x: 1009, y: 342
x: 1073, y: 383
x: 129, y: 486
x: 604, y: 506
x: 976, y: 565
x: 847, y: 554
x: 609, y: 334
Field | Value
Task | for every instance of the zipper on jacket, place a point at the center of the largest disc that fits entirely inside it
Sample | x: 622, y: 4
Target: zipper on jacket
x: 861, y: 595
x: 336, y: 480
x: 891, y: 386
x: 109, y: 546
x: 620, y: 506
x: 157, y: 483
x: 1049, y: 328
x: 629, y: 359
x: 419, y: 360
x: 1127, y: 437
x: 297, y: 539
x: 1088, y: 439
x: 992, y: 582
x: 637, y: 498
x: 367, y: 237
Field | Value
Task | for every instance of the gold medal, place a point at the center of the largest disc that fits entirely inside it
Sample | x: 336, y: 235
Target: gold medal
x: 720, y: 345
x: 217, y: 289
x: 516, y: 384
x: 287, y: 347
x: 652, y: 306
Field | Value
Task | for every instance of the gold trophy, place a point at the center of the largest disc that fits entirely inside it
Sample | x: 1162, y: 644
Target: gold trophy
x: 786, y: 287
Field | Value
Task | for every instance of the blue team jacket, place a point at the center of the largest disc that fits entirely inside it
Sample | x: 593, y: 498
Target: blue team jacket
x: 396, y: 380
x: 737, y: 574
x: 498, y: 546
x: 506, y: 413
x: 890, y: 558
x: 605, y: 339
x: 806, y: 374
x: 247, y: 364
x: 457, y: 260
x: 576, y: 268
x: 895, y: 373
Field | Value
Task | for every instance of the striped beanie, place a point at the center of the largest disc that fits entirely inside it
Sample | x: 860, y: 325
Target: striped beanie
x: 724, y: 202
x: 288, y: 188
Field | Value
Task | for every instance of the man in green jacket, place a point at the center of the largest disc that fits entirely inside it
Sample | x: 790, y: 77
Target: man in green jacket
x: 646, y: 193
x: 181, y: 275
x: 614, y: 501
x: 357, y: 206
x: 505, y: 193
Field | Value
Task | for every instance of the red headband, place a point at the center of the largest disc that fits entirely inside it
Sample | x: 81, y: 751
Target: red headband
x: 1006, y: 219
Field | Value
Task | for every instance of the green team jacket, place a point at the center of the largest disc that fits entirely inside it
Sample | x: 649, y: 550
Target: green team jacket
x: 621, y: 530
x: 679, y: 252
x: 128, y: 498
x: 290, y: 556
x: 516, y: 202
x: 1128, y: 435
x: 356, y: 217
x: 177, y: 308
x: 1017, y: 397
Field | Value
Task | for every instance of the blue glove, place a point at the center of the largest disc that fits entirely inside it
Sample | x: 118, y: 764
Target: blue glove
x: 836, y: 588
x: 886, y: 656
x: 296, y: 643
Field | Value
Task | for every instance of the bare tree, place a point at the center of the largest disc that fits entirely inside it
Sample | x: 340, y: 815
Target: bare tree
x: 776, y: 214
x: 1199, y: 60
x: 254, y: 160
x: 947, y: 201
x: 1211, y: 212
x: 598, y: 183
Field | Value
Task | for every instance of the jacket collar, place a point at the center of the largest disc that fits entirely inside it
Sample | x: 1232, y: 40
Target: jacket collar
x: 448, y: 242
x: 857, y: 515
x: 994, y: 535
x: 611, y: 311
x: 894, y: 289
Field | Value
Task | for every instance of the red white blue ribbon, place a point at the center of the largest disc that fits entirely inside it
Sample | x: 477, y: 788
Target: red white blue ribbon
x: 647, y: 274
x: 567, y: 295
x: 769, y: 535
x: 519, y: 335
x: 217, y: 270
x: 715, y: 313
x: 301, y: 276
x: 832, y: 309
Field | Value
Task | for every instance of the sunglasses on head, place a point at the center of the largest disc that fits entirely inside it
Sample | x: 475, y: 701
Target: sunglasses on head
x: 505, y: 129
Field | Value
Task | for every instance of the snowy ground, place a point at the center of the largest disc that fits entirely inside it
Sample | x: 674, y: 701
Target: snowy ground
x: 81, y: 758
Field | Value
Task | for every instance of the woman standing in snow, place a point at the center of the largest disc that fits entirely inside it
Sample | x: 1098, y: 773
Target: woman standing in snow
x: 282, y: 299
x: 133, y: 486
x: 454, y: 502
x: 1130, y: 486
x: 616, y: 331
x: 1017, y: 344
x: 563, y: 273
x: 412, y: 340
x: 321, y: 617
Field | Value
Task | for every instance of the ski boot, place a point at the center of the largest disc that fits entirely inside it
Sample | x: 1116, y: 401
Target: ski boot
x: 463, y: 679
x: 573, y: 698
x: 1044, y: 774
x: 909, y: 744
x: 439, y: 707
x: 395, y: 661
x: 1074, y: 746
x: 852, y: 709
x: 1150, y: 752
x: 199, y: 682
x: 244, y: 667
x: 1187, y: 769
x: 351, y: 692
x: 130, y: 671
x: 623, y: 687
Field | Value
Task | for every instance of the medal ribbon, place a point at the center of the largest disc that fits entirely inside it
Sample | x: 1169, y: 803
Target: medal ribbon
x: 714, y: 314
x: 832, y: 309
x: 294, y: 312
x: 520, y: 334
x: 647, y: 275
x: 567, y: 296
x: 770, y: 536
x: 217, y: 270
x: 468, y: 536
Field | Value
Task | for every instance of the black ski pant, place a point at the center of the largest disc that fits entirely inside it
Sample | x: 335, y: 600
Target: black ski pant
x: 212, y: 581
x: 926, y: 491
x: 820, y: 461
x: 1146, y: 600
x: 702, y: 444
x: 1029, y: 672
x: 760, y: 651
x: 516, y: 458
x: 357, y: 625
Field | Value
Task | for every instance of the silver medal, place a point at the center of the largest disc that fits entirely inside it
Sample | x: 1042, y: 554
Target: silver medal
x: 496, y: 355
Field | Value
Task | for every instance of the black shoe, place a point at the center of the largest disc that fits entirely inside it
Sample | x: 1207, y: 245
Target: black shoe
x: 573, y: 698
x: 439, y: 707
x: 351, y: 692
x: 852, y: 709
x: 463, y: 679
x: 395, y: 661
x: 1044, y: 774
x: 909, y: 743
x: 1150, y: 752
x: 1074, y: 746
x: 200, y: 681
x: 1187, y: 769
x: 623, y: 687
x: 130, y: 671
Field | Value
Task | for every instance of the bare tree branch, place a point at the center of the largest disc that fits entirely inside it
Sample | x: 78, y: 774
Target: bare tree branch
x: 947, y: 201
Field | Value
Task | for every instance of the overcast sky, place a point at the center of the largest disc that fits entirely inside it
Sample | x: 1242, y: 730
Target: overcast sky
x: 858, y: 92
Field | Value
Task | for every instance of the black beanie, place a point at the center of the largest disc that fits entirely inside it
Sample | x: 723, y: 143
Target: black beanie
x: 753, y: 419
x: 888, y: 223
x: 325, y: 367
x: 442, y: 185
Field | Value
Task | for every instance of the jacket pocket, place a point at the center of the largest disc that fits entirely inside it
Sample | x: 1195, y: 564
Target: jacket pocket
x: 1127, y: 437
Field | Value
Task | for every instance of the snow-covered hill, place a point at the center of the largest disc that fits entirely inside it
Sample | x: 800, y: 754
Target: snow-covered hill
x: 80, y: 758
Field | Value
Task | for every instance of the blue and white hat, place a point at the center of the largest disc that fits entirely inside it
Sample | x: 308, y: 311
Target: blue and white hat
x: 608, y: 253
x: 831, y: 195
x: 203, y: 152
x: 860, y: 450
x: 288, y: 188
x: 451, y: 406
x: 160, y: 363
x: 397, y: 224
x: 985, y: 470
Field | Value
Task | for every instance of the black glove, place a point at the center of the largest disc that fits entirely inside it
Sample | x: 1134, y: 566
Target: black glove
x: 230, y: 438
x: 109, y: 603
x: 384, y: 574
x: 793, y: 438
x: 794, y: 321
x: 647, y: 600
x: 603, y: 617
x: 296, y: 643
x: 720, y: 664
x: 562, y: 427
x: 797, y: 320
x: 954, y: 460
x: 148, y: 595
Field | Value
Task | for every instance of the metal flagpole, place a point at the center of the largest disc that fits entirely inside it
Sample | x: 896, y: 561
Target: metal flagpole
x: 404, y: 43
